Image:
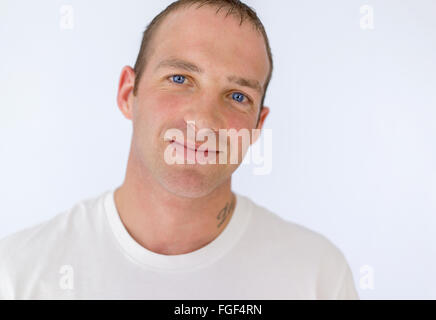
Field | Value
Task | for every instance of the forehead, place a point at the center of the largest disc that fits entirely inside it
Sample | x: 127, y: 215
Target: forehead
x: 212, y: 40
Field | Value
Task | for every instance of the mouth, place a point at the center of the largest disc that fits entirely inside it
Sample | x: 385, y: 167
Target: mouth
x: 194, y: 147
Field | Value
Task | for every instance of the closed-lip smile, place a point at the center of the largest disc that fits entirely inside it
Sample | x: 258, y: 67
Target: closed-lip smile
x: 193, y: 147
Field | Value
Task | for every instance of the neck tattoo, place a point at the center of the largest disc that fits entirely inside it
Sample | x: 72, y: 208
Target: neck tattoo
x: 225, y: 212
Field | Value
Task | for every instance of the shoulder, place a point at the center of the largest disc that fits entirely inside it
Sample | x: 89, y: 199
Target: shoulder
x: 267, y: 223
x: 49, y: 231
x: 29, y: 249
x: 309, y: 250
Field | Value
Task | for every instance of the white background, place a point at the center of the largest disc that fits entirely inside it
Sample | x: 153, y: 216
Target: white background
x: 352, y: 114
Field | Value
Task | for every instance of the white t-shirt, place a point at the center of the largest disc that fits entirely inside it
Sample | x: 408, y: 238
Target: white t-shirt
x: 86, y: 253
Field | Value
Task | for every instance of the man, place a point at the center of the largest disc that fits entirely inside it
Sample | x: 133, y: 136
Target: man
x: 171, y: 230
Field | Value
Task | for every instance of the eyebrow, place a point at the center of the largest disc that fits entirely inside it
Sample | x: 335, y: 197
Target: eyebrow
x: 253, y: 84
x: 179, y: 64
x: 189, y: 66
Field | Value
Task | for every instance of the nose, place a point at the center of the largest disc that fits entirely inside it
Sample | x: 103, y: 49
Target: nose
x: 204, y: 115
x: 203, y: 118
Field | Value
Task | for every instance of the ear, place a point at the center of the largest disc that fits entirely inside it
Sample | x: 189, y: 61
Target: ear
x: 263, y: 114
x: 125, y: 91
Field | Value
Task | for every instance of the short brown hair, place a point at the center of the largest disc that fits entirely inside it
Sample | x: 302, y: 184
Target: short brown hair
x: 234, y: 7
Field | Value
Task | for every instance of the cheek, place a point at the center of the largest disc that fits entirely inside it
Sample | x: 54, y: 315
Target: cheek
x: 157, y: 112
x: 239, y: 145
x: 166, y: 104
x: 240, y: 122
x: 157, y: 108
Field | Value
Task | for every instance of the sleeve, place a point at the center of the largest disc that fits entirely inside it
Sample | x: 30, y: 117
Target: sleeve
x: 347, y: 289
x: 5, y: 283
x: 5, y: 293
x: 335, y: 278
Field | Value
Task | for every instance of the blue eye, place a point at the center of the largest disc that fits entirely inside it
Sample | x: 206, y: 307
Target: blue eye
x: 178, y: 79
x: 238, y: 96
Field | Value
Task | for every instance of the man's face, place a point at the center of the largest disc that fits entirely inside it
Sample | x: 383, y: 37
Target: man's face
x: 169, y: 94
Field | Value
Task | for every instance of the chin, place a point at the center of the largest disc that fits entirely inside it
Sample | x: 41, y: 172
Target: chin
x: 189, y: 182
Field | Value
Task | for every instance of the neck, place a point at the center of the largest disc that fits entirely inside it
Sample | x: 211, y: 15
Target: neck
x: 166, y: 223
